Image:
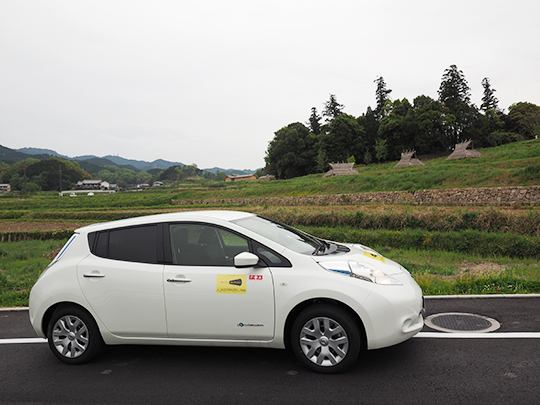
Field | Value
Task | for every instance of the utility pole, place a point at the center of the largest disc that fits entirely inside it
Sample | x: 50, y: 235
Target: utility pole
x: 60, y: 180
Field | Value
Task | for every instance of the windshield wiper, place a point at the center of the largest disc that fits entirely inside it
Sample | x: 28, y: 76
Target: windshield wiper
x: 323, y: 246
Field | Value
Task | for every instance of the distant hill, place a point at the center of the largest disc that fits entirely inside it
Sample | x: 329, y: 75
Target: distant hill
x: 231, y: 171
x: 92, y: 163
x: 142, y: 165
x: 38, y: 151
x: 11, y: 156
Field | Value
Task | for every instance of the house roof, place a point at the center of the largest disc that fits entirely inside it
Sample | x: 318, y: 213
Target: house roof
x: 464, y: 150
x: 341, y: 169
x: 409, y: 159
x: 240, y: 176
x: 89, y: 182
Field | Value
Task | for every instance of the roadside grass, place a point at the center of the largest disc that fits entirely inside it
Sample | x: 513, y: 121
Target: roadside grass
x: 437, y: 272
x: 21, y: 263
x: 451, y: 273
x: 484, y: 244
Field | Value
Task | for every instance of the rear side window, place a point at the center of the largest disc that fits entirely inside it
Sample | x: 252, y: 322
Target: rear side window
x: 137, y: 244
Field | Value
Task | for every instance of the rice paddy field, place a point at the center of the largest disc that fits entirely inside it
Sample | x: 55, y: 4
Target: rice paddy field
x: 447, y: 249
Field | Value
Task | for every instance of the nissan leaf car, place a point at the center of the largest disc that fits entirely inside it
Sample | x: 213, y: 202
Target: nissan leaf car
x: 222, y: 278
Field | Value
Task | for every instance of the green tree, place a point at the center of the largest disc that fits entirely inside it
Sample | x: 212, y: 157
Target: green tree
x: 314, y: 121
x: 143, y: 177
x: 46, y: 174
x: 106, y: 175
x: 381, y: 149
x: 125, y: 177
x: 345, y: 137
x: 292, y: 152
x: 16, y: 170
x: 367, y: 157
x: 399, y: 128
x: 454, y: 87
x: 433, y: 125
x: 454, y: 93
x: 370, y: 123
x: 524, y: 119
x: 332, y: 109
x: 381, y: 95
x: 489, y: 101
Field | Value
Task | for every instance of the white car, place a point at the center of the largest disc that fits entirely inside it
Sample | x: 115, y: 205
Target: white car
x: 222, y: 278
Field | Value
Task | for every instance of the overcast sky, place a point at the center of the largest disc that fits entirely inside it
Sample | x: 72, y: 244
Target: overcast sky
x: 210, y: 81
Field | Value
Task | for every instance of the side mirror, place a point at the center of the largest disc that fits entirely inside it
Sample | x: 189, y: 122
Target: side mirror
x: 245, y: 259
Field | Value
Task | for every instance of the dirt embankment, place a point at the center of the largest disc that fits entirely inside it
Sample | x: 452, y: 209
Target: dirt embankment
x: 39, y: 226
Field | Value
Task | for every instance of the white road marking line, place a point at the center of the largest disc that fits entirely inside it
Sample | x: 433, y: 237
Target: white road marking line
x: 433, y: 335
x: 22, y: 340
x: 479, y: 335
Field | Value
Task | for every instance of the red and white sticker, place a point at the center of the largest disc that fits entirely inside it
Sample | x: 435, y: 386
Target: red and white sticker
x: 255, y: 277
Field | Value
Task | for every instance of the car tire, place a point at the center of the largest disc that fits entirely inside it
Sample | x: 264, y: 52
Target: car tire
x: 326, y: 338
x: 73, y: 335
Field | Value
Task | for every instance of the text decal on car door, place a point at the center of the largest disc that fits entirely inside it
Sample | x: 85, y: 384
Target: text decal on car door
x: 231, y: 284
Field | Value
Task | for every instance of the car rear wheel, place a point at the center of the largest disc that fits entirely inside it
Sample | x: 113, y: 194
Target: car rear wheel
x: 326, y: 339
x: 73, y: 335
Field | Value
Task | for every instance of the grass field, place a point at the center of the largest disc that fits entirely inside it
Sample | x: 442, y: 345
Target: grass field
x: 437, y: 272
x: 449, y: 250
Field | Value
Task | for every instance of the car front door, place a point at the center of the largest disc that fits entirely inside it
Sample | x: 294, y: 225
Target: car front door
x: 206, y: 297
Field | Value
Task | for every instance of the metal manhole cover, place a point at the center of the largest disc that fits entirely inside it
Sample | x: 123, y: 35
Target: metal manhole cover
x: 459, y: 322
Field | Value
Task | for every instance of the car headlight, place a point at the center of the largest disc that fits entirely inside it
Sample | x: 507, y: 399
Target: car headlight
x: 362, y: 272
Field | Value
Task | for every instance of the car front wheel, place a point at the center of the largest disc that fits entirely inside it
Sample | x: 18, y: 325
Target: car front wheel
x: 73, y: 335
x: 326, y: 339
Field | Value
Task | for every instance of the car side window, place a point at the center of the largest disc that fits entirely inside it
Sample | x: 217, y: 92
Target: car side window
x: 136, y: 244
x: 205, y: 245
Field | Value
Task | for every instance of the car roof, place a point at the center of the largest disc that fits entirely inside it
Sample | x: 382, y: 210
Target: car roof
x: 217, y: 215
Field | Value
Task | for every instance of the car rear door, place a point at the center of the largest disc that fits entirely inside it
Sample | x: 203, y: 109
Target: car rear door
x: 123, y: 282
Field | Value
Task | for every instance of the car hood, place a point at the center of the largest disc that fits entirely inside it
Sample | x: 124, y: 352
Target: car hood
x: 363, y: 255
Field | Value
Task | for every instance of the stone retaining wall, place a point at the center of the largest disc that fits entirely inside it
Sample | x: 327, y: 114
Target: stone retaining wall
x: 498, y: 196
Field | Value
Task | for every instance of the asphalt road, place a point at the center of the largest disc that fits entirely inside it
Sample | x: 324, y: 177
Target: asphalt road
x: 501, y: 367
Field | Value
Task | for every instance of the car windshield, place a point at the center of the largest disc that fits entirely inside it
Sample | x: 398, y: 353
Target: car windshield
x: 287, y: 236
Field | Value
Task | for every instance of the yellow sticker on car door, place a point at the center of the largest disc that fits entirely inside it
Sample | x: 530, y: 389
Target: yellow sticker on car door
x: 231, y: 284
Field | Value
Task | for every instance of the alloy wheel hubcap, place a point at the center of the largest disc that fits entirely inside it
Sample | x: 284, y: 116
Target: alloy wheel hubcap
x: 70, y: 336
x: 324, y: 341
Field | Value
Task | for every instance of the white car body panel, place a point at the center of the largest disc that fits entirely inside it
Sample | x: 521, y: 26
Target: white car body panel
x: 128, y: 298
x: 201, y: 309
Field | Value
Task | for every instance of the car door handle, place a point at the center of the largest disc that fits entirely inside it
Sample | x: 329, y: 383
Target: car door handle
x: 93, y: 275
x: 178, y: 280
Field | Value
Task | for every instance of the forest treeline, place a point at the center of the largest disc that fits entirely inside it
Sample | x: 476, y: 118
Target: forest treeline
x: 382, y: 133
x: 54, y: 174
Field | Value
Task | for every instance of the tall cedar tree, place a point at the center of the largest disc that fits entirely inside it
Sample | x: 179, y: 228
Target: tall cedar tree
x: 332, y: 109
x: 489, y: 101
x: 314, y: 121
x: 381, y: 95
x: 454, y: 87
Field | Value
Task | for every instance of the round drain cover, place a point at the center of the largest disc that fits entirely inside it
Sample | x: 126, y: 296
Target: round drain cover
x: 458, y: 322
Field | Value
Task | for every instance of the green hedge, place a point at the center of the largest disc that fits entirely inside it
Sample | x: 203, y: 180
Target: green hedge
x: 34, y: 235
x: 489, y: 220
x: 468, y: 241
